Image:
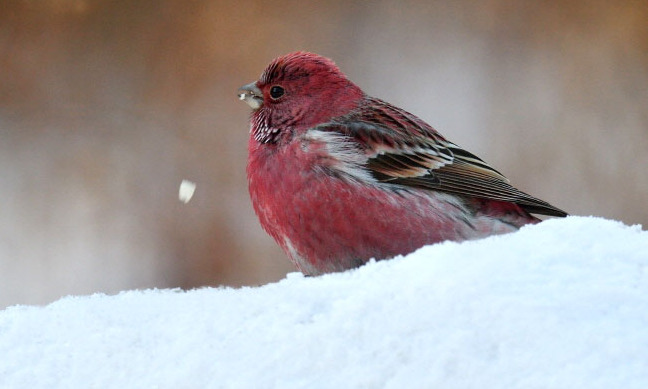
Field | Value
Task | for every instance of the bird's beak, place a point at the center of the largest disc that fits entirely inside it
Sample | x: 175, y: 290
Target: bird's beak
x: 252, y: 95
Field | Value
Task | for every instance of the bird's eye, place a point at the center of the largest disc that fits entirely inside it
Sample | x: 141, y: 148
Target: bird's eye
x: 276, y: 92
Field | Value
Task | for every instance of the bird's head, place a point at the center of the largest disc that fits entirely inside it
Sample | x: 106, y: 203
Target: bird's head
x: 298, y: 91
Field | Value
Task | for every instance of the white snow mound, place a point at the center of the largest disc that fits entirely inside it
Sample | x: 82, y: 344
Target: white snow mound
x: 562, y: 304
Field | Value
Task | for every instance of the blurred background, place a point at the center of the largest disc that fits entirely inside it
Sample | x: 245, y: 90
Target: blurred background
x: 105, y: 106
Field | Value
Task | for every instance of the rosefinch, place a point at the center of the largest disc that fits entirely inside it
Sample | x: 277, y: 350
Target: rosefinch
x: 338, y: 177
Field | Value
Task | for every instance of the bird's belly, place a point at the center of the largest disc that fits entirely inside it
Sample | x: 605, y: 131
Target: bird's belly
x: 328, y: 224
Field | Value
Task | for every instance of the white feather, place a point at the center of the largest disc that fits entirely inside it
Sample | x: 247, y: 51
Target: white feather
x: 349, y: 159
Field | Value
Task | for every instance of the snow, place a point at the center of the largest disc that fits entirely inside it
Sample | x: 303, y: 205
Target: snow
x: 562, y: 304
x: 186, y: 191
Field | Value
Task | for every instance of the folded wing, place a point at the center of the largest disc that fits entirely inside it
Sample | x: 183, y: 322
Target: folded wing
x: 403, y: 150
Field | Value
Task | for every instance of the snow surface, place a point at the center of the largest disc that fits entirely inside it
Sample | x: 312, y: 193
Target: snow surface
x: 562, y: 304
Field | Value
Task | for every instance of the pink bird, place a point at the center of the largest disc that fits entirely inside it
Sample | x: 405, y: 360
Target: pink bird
x: 338, y: 177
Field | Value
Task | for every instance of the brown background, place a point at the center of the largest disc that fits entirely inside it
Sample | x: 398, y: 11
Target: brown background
x: 105, y: 106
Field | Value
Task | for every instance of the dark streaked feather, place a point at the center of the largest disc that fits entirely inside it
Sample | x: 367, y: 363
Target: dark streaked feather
x: 404, y: 150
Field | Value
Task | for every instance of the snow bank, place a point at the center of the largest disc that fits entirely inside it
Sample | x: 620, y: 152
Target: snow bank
x: 563, y: 304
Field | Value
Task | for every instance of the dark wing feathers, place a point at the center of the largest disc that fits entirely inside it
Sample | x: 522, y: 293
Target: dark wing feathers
x: 404, y: 150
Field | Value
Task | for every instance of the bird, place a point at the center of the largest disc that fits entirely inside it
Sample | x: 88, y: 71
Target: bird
x: 338, y: 177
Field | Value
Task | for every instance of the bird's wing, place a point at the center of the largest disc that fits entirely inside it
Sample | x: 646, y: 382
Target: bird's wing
x: 403, y: 150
